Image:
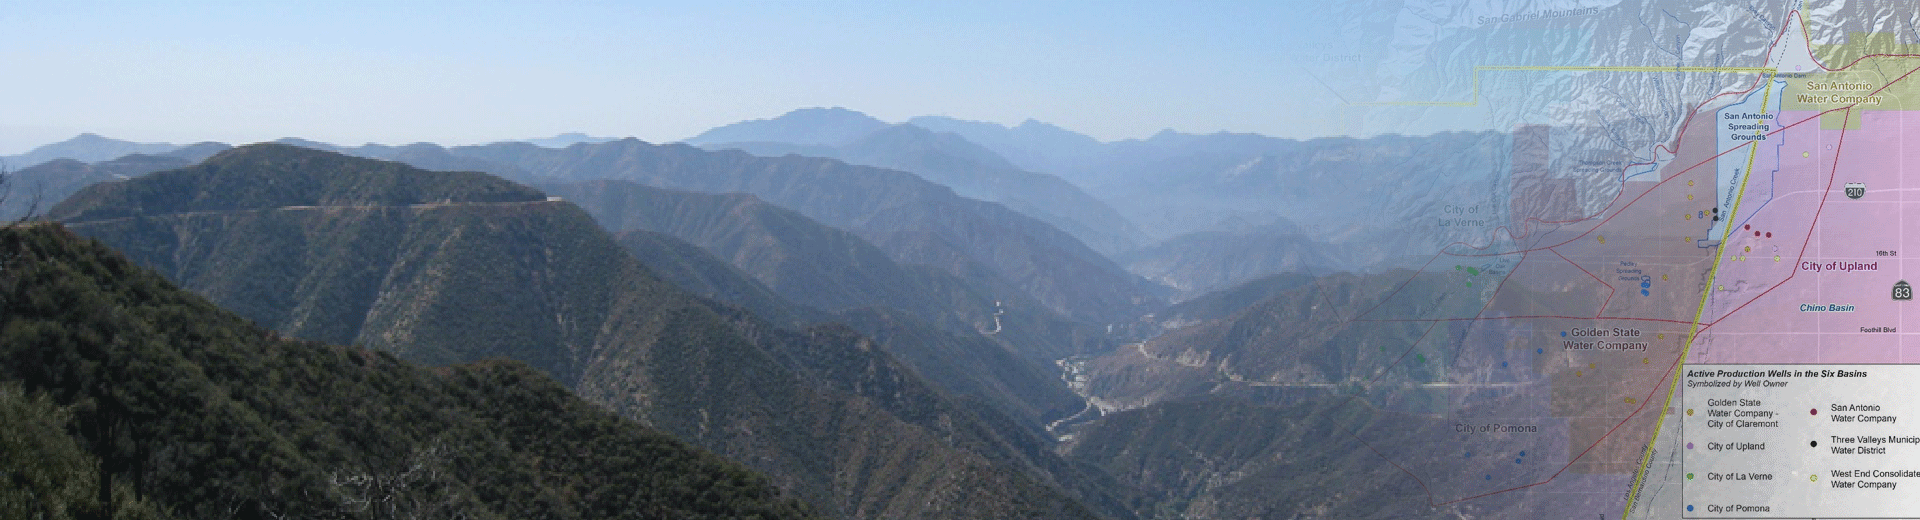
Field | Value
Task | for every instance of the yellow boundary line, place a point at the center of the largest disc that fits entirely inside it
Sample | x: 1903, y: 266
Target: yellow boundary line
x: 1478, y: 69
x: 1679, y: 367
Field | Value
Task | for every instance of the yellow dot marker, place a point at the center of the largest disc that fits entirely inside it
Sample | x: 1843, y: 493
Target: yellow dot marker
x: 1749, y: 249
x: 1776, y: 258
x: 1629, y: 400
x: 1688, y: 216
x: 1813, y: 478
x: 1689, y: 196
x: 1576, y: 373
x: 1663, y: 336
x: 1602, y: 239
x: 1663, y: 278
x: 1644, y: 361
x: 1593, y: 365
x: 1689, y: 412
x: 1804, y: 154
x: 1689, y: 183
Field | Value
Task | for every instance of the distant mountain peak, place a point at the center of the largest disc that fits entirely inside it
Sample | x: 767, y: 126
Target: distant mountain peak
x: 567, y: 139
x: 1035, y: 124
x: 808, y: 126
x: 86, y: 147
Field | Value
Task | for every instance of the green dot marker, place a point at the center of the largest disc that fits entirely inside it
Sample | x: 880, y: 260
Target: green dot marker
x: 1689, y: 476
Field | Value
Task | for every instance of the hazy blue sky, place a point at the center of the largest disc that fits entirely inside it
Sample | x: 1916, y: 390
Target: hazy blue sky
x: 466, y: 72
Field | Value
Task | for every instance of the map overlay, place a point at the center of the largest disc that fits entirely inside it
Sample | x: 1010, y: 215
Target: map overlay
x: 1717, y: 184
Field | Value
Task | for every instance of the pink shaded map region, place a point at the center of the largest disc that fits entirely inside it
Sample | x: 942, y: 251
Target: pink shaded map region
x: 1828, y: 298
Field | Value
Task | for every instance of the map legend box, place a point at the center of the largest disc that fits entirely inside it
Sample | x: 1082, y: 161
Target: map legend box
x: 1800, y: 441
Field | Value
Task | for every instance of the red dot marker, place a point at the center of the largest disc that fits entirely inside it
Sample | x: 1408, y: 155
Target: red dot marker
x: 1815, y: 411
x: 1769, y: 234
x: 1756, y: 233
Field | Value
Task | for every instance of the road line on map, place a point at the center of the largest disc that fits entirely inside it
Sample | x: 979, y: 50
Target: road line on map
x: 1706, y: 295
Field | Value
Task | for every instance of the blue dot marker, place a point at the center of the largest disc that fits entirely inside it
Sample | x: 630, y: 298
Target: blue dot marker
x: 1523, y: 454
x: 1689, y: 507
x: 1539, y: 351
x: 1489, y: 477
x: 1503, y: 364
x: 1516, y: 461
x: 1643, y: 292
x: 1644, y: 285
x: 1563, y: 334
x: 1469, y: 454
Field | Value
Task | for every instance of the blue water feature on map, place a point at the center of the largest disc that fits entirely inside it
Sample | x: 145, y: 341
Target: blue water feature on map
x: 1730, y: 167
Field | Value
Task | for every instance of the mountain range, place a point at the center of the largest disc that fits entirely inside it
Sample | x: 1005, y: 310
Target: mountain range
x: 971, y: 170
x: 87, y: 147
x: 1263, y: 204
x: 449, y: 267
x: 871, y: 315
x: 915, y: 221
x: 946, y: 328
x: 126, y: 397
x: 1195, y: 212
